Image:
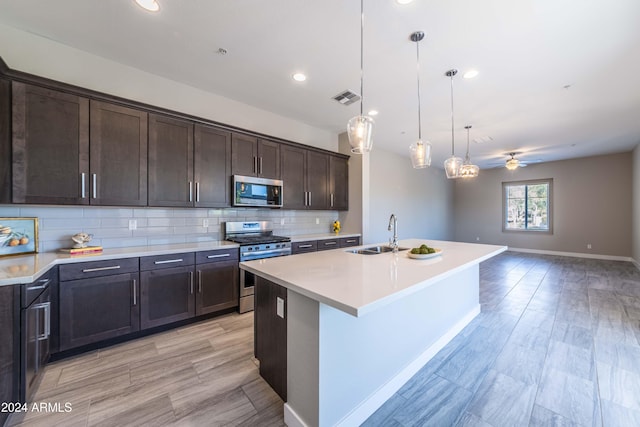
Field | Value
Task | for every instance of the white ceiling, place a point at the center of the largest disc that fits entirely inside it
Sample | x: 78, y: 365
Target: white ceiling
x: 526, y: 51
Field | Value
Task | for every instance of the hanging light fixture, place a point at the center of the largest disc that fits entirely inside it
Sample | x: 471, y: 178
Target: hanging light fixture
x: 468, y: 170
x: 360, y: 128
x: 512, y: 163
x: 452, y: 164
x: 420, y: 150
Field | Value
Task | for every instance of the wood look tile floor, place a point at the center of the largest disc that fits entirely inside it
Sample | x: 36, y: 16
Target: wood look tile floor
x: 557, y: 344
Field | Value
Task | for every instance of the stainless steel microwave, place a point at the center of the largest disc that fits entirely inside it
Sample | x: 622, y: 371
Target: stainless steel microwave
x: 257, y: 192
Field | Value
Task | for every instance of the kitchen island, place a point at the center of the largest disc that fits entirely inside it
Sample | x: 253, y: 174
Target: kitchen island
x: 359, y: 326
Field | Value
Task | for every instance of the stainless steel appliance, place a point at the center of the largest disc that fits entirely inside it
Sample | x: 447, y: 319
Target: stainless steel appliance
x: 256, y: 241
x: 257, y: 192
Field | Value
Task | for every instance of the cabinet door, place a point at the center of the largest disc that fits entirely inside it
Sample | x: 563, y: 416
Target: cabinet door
x: 170, y: 162
x: 212, y: 167
x: 218, y: 286
x: 244, y: 155
x: 268, y: 159
x: 317, y: 180
x: 50, y: 146
x: 99, y: 308
x: 270, y: 334
x: 293, y: 177
x: 338, y: 183
x: 5, y: 143
x: 166, y: 296
x: 118, y: 161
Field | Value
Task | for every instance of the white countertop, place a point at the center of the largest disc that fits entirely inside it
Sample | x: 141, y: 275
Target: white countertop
x: 322, y: 236
x: 357, y: 284
x: 27, y: 268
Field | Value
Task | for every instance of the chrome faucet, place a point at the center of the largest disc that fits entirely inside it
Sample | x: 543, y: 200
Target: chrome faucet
x: 393, y: 242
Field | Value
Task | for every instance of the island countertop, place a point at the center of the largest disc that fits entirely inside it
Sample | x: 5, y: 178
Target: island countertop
x: 358, y: 284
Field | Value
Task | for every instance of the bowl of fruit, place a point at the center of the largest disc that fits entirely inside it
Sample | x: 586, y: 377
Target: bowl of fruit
x: 424, y: 252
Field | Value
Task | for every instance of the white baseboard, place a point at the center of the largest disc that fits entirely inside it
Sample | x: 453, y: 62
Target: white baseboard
x: 384, y: 393
x: 575, y: 254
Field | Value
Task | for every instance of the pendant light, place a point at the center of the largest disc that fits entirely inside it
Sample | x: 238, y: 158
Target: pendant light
x: 360, y: 128
x: 452, y: 164
x: 512, y: 163
x: 468, y: 170
x: 420, y: 150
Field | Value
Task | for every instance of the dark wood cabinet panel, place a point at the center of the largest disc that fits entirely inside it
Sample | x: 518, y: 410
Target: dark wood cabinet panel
x: 170, y: 162
x: 293, y: 177
x: 304, y: 247
x: 87, y: 270
x: 5, y: 142
x: 270, y: 334
x: 268, y: 159
x: 212, y: 167
x: 326, y: 244
x: 10, y: 349
x: 50, y: 146
x: 166, y: 296
x: 118, y: 161
x: 338, y: 183
x: 157, y: 262
x: 317, y: 180
x: 244, y: 155
x: 98, y: 308
x: 218, y: 286
x: 349, y: 241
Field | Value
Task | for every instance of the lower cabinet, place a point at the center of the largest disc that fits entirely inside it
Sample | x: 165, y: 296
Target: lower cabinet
x: 167, y: 296
x: 270, y: 334
x: 217, y: 279
x: 10, y: 349
x: 99, y: 305
x: 345, y: 242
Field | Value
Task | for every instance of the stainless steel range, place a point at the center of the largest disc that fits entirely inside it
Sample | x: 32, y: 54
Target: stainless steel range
x: 256, y: 241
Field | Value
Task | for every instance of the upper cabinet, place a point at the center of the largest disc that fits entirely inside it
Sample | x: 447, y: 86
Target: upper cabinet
x: 338, y: 183
x: 305, y: 176
x: 5, y: 141
x: 212, y: 167
x: 118, y: 155
x: 253, y: 156
x: 50, y: 146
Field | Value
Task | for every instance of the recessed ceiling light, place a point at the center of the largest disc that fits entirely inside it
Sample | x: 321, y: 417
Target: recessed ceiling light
x: 150, y: 5
x: 470, y: 74
x: 299, y: 77
x: 403, y: 1
x: 373, y: 113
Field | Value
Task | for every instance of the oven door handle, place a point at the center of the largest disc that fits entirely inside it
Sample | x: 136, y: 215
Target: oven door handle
x: 269, y: 252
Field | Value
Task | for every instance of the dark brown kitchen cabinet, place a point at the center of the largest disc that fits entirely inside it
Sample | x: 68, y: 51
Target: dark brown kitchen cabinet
x: 327, y: 244
x: 338, y: 183
x: 270, y: 334
x: 167, y: 289
x: 253, y: 156
x: 100, y: 305
x: 306, y: 176
x: 10, y: 348
x: 170, y: 162
x: 212, y: 167
x: 5, y: 142
x: 50, y: 146
x: 304, y: 247
x: 118, y: 155
x: 345, y: 242
x: 217, y: 281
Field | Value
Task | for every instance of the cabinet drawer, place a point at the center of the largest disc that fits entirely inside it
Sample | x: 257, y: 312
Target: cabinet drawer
x: 32, y: 290
x: 217, y: 256
x: 349, y: 241
x: 328, y: 244
x: 167, y: 261
x: 302, y: 247
x: 98, y: 268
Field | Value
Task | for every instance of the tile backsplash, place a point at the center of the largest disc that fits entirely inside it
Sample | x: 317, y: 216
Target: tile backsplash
x: 157, y: 226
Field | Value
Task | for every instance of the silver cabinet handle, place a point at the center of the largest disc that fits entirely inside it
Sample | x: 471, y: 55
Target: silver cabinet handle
x: 44, y: 282
x: 199, y: 281
x: 168, y: 261
x: 191, y: 191
x: 135, y: 292
x: 91, y: 270
x: 351, y: 241
x: 260, y: 170
x: 191, y: 281
x: 331, y: 199
x: 95, y: 186
x: 218, y: 256
x: 306, y: 198
x: 197, y: 191
x: 46, y: 306
x: 304, y: 246
x: 255, y: 164
x: 82, y: 185
x: 309, y: 198
x: 329, y: 243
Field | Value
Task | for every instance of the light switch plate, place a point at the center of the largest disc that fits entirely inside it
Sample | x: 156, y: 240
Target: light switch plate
x: 133, y: 224
x: 280, y: 307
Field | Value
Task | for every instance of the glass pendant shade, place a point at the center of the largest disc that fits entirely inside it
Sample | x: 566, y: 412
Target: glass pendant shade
x: 360, y: 133
x: 468, y: 170
x: 420, y: 154
x: 452, y: 167
x: 512, y: 164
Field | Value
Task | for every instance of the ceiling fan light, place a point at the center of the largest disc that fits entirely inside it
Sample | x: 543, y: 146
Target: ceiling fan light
x: 452, y: 167
x: 360, y: 133
x: 512, y: 164
x: 420, y: 154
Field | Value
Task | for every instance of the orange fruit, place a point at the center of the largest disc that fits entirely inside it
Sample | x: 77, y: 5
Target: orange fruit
x: 14, y: 242
x: 24, y: 240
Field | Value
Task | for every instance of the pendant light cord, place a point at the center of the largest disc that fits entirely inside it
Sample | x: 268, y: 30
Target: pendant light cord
x: 418, y: 71
x: 468, y: 127
x: 452, y: 133
x: 361, y: 55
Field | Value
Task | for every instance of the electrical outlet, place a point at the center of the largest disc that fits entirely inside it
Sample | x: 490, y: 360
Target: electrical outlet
x: 317, y: 221
x: 205, y: 222
x: 477, y: 239
x: 281, y: 221
x: 588, y: 245
x: 133, y: 224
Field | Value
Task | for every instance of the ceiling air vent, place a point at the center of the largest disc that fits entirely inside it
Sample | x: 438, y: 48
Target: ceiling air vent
x: 347, y: 97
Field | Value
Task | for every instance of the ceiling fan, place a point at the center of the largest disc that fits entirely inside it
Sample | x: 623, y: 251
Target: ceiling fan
x: 512, y: 163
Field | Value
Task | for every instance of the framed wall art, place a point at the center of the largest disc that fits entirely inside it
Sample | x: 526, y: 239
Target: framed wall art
x: 18, y: 236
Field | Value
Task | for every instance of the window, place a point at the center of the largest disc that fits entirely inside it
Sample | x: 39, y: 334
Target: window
x: 527, y: 205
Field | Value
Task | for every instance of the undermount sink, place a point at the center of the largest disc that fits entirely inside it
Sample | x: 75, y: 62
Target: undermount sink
x: 374, y: 250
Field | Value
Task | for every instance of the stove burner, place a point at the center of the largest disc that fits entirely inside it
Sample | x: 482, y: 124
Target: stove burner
x: 256, y: 240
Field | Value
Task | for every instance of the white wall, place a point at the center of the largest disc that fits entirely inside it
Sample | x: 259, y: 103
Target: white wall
x: 636, y: 206
x: 37, y: 55
x: 422, y: 199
